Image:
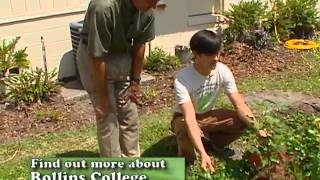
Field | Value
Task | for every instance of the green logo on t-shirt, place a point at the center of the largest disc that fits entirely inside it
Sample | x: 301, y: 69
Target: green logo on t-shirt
x: 205, y: 101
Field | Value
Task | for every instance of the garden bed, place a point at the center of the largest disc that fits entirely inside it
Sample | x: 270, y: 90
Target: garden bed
x: 36, y: 120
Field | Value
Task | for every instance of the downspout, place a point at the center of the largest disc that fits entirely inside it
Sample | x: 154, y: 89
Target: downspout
x: 161, y: 5
x: 218, y: 9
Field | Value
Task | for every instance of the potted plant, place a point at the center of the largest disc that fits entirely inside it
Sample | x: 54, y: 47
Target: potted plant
x: 183, y: 53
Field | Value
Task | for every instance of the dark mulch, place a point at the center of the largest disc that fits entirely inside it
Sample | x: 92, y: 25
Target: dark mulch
x: 245, y: 61
x: 37, y: 120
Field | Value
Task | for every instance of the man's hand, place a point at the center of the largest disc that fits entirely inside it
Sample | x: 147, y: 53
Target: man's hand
x: 206, y: 163
x: 133, y: 93
x: 245, y: 114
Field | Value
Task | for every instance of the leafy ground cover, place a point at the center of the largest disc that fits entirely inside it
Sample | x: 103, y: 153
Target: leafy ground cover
x: 291, y: 151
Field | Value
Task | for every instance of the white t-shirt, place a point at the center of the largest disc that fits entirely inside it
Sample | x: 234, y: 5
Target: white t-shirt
x: 202, y: 90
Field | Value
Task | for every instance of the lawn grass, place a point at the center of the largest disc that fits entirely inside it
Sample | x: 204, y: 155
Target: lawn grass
x: 51, y: 145
x: 305, y: 77
x: 82, y: 143
x: 155, y: 136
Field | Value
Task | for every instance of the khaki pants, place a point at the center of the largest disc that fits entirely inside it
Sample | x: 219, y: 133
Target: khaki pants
x: 221, y: 126
x: 118, y: 133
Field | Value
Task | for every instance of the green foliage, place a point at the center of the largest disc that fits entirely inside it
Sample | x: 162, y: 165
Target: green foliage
x: 282, y: 24
x: 259, y: 39
x: 44, y: 114
x: 30, y: 86
x: 161, y: 61
x: 150, y: 94
x: 295, y: 18
x: 244, y: 17
x: 293, y: 146
x: 287, y: 19
x: 11, y: 58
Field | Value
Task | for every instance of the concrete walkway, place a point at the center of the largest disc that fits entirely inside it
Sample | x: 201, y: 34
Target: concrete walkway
x: 296, y: 101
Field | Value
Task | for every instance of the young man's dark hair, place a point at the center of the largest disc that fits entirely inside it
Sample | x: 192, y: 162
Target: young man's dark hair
x: 205, y: 42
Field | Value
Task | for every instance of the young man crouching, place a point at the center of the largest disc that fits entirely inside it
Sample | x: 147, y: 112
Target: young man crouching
x: 197, y: 87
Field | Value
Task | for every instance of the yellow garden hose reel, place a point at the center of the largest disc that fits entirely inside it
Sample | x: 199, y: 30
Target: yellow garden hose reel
x: 301, y: 44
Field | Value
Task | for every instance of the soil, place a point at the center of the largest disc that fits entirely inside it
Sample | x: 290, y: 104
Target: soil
x: 24, y: 121
x: 245, y: 61
x: 37, y: 120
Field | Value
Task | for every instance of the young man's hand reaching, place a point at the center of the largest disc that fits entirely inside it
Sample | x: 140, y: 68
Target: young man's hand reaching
x: 207, y: 163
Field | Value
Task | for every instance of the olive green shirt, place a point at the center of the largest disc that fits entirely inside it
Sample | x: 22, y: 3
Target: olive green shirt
x: 114, y: 26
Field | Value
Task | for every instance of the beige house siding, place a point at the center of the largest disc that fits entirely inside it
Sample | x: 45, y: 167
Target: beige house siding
x: 176, y: 24
x: 55, y: 32
x: 50, y: 19
x: 180, y: 17
x: 13, y: 10
x: 32, y: 19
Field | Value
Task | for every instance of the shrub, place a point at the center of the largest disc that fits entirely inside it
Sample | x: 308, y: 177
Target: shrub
x: 305, y: 16
x: 296, y: 18
x: 282, y: 24
x: 30, y: 86
x: 244, y: 17
x: 10, y: 58
x: 161, y: 61
x: 298, y: 147
x: 287, y: 19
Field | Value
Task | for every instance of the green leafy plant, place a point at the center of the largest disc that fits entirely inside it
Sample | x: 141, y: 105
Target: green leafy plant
x: 295, y: 18
x: 161, y: 61
x: 306, y: 17
x: 287, y: 19
x: 11, y: 58
x: 150, y: 94
x: 281, y: 23
x: 244, y: 18
x: 293, y: 153
x: 30, y: 86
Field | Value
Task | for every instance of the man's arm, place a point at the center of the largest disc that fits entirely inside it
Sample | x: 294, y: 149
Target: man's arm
x: 195, y: 134
x: 102, y: 107
x: 242, y: 108
x: 245, y: 113
x: 137, y: 63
